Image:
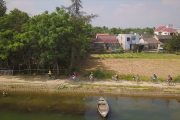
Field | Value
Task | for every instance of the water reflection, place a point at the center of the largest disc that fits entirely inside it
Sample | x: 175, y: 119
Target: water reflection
x: 83, y: 107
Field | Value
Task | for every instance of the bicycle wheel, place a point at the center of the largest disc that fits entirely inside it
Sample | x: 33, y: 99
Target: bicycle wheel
x: 149, y: 81
x: 53, y: 77
x: 164, y: 83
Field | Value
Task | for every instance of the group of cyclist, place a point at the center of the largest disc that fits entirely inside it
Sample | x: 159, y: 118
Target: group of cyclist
x: 155, y: 78
x: 117, y: 77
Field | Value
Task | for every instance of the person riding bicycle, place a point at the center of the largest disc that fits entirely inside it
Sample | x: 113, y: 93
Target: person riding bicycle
x: 74, y: 76
x: 137, y: 80
x: 91, y: 77
x: 154, y: 77
x: 49, y: 74
x: 169, y: 79
x: 116, y: 77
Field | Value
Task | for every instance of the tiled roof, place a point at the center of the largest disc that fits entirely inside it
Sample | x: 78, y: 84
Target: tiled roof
x: 168, y: 30
x: 106, y: 39
x: 159, y: 28
x: 101, y: 34
x: 146, y: 35
x: 164, y: 37
x: 150, y: 40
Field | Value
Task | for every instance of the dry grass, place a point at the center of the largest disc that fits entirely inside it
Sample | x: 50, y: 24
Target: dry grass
x: 142, y: 67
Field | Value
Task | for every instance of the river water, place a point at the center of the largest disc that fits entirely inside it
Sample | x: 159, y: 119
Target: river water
x: 30, y: 106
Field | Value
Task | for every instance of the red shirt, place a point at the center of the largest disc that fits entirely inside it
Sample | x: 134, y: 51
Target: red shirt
x: 74, y: 74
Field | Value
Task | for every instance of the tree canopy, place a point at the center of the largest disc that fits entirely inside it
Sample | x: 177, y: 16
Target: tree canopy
x: 3, y: 7
x: 59, y: 39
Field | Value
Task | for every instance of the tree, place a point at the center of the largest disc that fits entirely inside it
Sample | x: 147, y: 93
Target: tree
x: 3, y: 7
x: 173, y: 45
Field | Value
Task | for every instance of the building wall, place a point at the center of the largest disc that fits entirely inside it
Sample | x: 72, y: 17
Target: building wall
x: 122, y: 38
x: 104, y: 46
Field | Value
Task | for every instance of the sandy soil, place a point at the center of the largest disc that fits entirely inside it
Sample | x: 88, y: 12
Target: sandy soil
x: 142, y: 67
x: 65, y: 80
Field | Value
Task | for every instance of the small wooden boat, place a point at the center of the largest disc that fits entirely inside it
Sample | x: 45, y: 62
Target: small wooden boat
x: 102, y: 106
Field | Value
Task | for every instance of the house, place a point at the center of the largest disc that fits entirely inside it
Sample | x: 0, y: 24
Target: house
x: 162, y: 39
x: 149, y: 42
x: 105, y: 42
x: 127, y: 41
x: 98, y: 34
x: 166, y: 30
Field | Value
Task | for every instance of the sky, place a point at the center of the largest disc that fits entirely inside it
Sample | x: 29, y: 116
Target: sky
x: 112, y: 13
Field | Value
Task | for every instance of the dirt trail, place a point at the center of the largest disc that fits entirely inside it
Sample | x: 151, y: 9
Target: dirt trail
x: 40, y: 80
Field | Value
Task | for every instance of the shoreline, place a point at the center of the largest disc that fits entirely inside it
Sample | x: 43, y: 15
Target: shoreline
x: 66, y: 86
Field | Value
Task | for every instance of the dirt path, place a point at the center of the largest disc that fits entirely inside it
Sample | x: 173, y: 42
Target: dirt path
x: 65, y: 80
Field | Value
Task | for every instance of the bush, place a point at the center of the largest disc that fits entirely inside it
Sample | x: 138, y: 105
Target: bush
x: 99, y: 74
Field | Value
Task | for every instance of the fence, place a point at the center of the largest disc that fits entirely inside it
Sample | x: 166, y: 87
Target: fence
x: 6, y: 72
x: 100, y: 90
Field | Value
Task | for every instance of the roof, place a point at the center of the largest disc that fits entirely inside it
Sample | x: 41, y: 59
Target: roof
x: 146, y: 35
x: 150, y: 40
x: 164, y: 37
x: 100, y: 34
x: 159, y: 28
x: 168, y: 30
x: 106, y: 39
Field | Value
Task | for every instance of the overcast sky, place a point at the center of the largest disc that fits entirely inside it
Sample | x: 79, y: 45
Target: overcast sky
x: 113, y: 13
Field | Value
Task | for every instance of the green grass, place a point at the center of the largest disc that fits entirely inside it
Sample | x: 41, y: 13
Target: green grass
x: 102, y: 75
x: 138, y: 55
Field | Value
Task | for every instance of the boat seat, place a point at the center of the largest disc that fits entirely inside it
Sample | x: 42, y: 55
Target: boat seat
x: 101, y: 102
x: 102, y: 107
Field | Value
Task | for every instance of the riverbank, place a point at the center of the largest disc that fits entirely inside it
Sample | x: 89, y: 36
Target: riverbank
x: 64, y: 85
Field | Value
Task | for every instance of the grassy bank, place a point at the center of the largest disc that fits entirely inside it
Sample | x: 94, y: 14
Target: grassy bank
x: 103, y: 76
x: 135, y: 55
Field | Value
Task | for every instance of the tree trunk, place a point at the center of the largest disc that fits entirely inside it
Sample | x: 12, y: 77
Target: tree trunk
x: 19, y: 68
x: 29, y: 67
x: 57, y: 67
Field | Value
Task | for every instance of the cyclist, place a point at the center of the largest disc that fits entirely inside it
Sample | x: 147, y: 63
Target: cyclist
x: 49, y: 74
x: 137, y: 80
x: 91, y: 77
x: 169, y: 79
x: 74, y: 76
x: 116, y: 76
x: 154, y: 77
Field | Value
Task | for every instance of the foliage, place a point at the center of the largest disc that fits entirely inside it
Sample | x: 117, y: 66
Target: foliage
x: 119, y: 30
x: 3, y: 8
x: 173, y: 45
x: 99, y: 74
x: 136, y: 55
x: 59, y: 40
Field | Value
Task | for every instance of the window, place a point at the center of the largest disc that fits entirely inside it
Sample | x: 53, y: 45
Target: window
x: 128, y: 38
x: 133, y: 37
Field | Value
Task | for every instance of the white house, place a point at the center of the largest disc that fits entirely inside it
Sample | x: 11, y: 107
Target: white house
x: 165, y: 30
x: 127, y: 41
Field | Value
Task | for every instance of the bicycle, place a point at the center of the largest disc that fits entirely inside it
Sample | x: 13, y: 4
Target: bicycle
x: 94, y: 79
x: 152, y: 81
x: 118, y: 80
x: 48, y: 77
x: 71, y: 78
x: 165, y: 83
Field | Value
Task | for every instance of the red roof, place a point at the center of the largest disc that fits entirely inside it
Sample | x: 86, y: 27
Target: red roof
x: 106, y: 39
x: 100, y: 34
x: 160, y: 28
x: 168, y: 30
